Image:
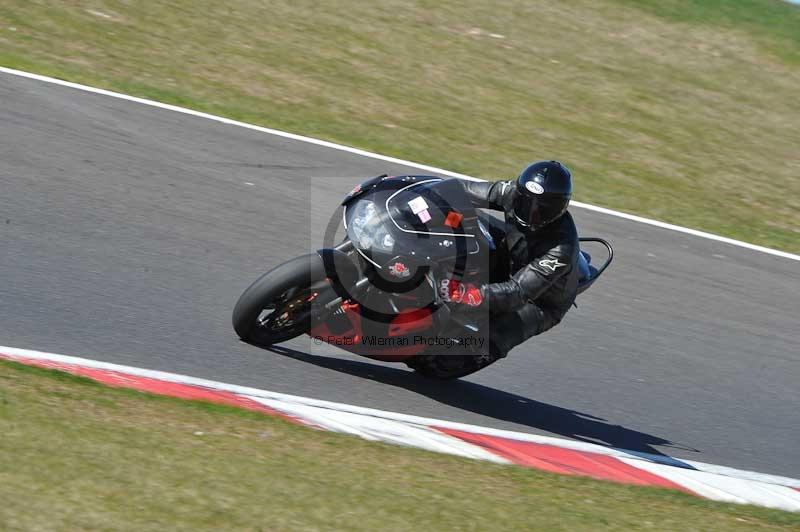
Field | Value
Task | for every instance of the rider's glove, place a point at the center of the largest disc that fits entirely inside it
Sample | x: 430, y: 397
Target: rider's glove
x: 464, y: 293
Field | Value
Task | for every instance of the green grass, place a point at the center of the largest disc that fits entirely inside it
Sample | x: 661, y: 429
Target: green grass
x: 682, y: 110
x: 76, y: 455
x: 774, y: 24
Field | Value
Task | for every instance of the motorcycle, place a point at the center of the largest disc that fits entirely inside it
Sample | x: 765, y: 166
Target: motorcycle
x: 383, y: 292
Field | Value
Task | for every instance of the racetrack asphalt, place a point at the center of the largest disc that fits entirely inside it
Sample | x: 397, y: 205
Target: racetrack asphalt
x: 128, y: 232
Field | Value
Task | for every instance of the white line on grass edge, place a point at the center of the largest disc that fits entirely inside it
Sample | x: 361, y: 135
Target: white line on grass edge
x: 394, y: 160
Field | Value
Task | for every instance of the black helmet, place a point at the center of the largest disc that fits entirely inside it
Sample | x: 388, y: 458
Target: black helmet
x: 543, y: 192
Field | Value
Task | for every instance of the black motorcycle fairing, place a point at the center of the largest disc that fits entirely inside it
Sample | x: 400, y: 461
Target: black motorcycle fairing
x: 429, y: 218
x: 395, y: 182
x: 450, y: 212
x: 340, y: 270
x: 363, y: 188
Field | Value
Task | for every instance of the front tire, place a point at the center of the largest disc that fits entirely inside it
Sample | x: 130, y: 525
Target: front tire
x: 285, y: 289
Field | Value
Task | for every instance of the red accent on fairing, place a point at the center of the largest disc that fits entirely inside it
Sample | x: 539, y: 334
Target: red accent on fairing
x: 398, y: 269
x: 415, y: 321
x: 564, y: 461
x: 353, y: 335
x: 155, y: 386
x: 453, y: 219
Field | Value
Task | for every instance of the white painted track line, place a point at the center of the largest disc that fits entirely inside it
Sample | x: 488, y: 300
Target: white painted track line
x: 712, y: 482
x: 725, y: 488
x: 364, y: 153
x: 304, y: 405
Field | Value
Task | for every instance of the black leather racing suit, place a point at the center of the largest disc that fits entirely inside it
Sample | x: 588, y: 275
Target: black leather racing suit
x: 543, y: 267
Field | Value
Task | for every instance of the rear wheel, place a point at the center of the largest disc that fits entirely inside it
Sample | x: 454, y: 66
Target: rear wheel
x: 447, y: 367
x: 279, y: 305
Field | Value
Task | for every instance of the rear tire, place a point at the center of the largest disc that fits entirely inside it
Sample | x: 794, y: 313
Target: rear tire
x: 448, y: 367
x: 292, y: 277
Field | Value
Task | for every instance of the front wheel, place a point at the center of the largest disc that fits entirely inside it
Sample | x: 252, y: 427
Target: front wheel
x: 278, y: 306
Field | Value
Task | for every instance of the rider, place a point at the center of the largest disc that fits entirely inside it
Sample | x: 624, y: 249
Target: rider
x: 541, y: 247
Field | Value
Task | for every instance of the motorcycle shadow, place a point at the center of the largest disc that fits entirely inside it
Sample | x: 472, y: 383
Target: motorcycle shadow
x: 501, y: 405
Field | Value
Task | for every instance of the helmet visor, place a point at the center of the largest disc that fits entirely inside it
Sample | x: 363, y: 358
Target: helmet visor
x: 538, y: 211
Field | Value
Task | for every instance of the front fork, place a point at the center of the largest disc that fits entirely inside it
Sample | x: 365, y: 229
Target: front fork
x: 344, y: 280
